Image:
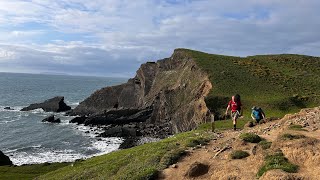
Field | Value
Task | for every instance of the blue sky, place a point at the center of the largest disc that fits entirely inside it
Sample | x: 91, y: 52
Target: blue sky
x: 113, y: 37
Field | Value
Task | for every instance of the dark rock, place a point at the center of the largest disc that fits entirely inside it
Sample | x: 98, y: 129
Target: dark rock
x: 8, y: 108
x: 249, y: 124
x: 55, y: 104
x: 123, y: 116
x: 4, y: 160
x: 51, y: 119
x: 197, y: 169
x: 78, y: 120
x: 119, y: 131
x: 128, y: 143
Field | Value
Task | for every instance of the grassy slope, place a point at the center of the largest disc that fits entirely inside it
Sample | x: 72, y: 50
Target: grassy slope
x: 280, y: 84
x: 141, y: 162
x: 28, y: 171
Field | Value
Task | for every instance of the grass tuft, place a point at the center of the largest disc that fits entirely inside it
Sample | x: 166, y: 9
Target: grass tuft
x: 250, y: 137
x: 296, y: 127
x: 171, y: 157
x: 277, y: 161
x: 265, y: 144
x: 238, y: 154
x: 292, y: 136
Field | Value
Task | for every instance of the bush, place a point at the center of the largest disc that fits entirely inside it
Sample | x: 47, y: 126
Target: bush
x: 172, y: 157
x: 193, y: 142
x: 277, y: 161
x: 292, y: 136
x: 296, y: 127
x: 265, y: 144
x: 250, y: 137
x: 238, y: 154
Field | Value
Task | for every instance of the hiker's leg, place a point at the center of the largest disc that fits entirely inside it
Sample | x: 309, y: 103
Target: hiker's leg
x: 234, y: 122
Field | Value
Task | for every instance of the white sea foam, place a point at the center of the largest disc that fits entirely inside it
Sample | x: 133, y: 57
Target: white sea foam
x: 20, y: 158
x: 107, y: 145
x: 73, y: 103
x: 12, y: 109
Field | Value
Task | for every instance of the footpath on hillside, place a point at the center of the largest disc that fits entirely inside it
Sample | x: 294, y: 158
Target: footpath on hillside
x: 290, y: 149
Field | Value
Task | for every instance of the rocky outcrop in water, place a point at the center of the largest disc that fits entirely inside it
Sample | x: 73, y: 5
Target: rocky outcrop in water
x: 4, y: 160
x: 51, y: 119
x: 55, y: 104
x: 170, y: 91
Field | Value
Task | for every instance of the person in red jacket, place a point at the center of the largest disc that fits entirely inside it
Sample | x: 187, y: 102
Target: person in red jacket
x: 235, y: 106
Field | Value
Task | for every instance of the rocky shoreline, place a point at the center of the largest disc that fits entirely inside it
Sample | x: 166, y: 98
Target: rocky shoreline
x: 164, y: 98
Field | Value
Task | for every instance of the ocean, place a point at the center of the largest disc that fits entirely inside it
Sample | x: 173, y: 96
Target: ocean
x: 27, y: 140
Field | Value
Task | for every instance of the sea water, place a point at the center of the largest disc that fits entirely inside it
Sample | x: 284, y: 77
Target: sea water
x: 27, y: 140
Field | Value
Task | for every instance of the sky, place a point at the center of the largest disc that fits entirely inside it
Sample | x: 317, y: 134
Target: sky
x: 113, y: 37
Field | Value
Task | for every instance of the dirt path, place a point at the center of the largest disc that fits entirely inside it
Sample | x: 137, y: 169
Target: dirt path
x: 303, y: 152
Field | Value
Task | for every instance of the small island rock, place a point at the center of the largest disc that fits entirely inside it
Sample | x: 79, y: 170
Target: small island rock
x: 55, y: 104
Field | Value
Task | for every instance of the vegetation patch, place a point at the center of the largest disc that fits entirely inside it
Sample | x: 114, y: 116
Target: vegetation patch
x: 171, y: 157
x: 296, y: 127
x: 250, y: 137
x: 29, y: 171
x: 224, y: 124
x: 292, y: 136
x: 194, y: 141
x: 280, y: 84
x: 277, y: 161
x: 140, y: 162
x: 265, y: 144
x: 238, y: 154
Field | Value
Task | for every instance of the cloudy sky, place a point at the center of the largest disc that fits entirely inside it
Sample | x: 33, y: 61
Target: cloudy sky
x: 113, y: 37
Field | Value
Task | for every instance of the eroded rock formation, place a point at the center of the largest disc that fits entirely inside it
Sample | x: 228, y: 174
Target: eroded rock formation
x: 170, y: 91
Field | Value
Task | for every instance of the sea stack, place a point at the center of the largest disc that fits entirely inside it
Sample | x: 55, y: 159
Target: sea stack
x: 55, y: 104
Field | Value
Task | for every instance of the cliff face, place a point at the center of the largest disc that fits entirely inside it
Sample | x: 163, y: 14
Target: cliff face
x: 174, y: 88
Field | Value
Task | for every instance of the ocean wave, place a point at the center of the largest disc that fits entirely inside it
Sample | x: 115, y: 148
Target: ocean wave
x: 20, y: 158
x: 107, y: 145
x: 12, y: 108
x: 24, y: 148
x: 37, y: 154
x: 73, y: 103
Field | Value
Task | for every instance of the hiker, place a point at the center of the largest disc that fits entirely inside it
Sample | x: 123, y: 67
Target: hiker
x: 235, y: 106
x: 257, y: 114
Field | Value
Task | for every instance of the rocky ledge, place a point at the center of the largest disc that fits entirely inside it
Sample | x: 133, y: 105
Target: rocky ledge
x: 55, y: 104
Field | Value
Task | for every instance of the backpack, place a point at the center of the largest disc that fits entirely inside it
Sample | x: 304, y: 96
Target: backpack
x: 257, y: 114
x: 237, y: 99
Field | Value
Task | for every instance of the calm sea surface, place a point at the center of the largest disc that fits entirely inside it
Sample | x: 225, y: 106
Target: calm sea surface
x: 27, y: 140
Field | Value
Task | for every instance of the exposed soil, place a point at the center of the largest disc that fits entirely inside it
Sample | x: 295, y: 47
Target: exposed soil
x: 304, y: 152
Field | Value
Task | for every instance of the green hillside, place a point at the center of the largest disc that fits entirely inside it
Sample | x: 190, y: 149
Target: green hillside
x: 278, y: 83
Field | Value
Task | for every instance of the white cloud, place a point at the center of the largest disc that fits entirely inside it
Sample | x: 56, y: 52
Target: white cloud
x: 116, y: 36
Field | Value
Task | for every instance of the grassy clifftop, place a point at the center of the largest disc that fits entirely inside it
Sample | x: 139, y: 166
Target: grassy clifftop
x: 278, y: 83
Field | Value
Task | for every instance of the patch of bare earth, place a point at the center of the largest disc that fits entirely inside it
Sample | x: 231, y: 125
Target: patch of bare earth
x: 304, y: 152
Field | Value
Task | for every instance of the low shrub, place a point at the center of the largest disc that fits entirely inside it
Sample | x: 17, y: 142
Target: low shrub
x: 192, y: 142
x: 172, y: 157
x: 265, y: 144
x: 277, y: 161
x: 292, y: 136
x: 296, y: 127
x: 238, y: 154
x: 250, y: 137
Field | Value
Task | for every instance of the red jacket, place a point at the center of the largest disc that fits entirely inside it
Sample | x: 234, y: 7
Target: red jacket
x: 235, y: 106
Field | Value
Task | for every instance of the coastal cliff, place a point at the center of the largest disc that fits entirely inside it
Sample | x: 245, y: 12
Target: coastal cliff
x: 170, y: 91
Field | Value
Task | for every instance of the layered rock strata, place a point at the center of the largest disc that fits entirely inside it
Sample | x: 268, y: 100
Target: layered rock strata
x: 168, y: 92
